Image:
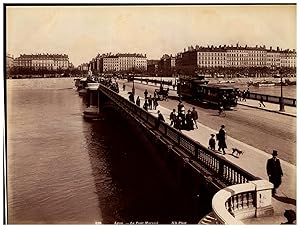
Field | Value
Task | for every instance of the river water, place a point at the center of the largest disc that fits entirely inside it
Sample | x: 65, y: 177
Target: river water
x: 63, y: 170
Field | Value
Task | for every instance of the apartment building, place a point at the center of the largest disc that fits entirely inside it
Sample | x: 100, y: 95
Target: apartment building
x: 235, y: 56
x: 118, y: 62
x: 42, y: 61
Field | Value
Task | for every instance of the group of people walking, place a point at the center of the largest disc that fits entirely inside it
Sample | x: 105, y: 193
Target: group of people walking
x: 149, y: 102
x: 221, y: 138
x: 182, y: 120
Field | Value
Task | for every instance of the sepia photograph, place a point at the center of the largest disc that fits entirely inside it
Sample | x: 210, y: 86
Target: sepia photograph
x: 146, y: 114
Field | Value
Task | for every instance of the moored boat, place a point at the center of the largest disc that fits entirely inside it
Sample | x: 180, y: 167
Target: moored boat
x: 92, y: 111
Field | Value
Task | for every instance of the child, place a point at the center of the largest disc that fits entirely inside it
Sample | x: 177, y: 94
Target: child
x: 212, y: 142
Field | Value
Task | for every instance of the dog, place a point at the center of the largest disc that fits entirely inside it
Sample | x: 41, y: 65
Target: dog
x: 237, y: 151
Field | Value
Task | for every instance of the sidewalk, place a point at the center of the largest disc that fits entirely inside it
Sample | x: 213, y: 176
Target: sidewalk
x: 271, y: 107
x: 253, y: 160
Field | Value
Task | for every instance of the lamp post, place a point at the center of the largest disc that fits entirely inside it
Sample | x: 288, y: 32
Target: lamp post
x: 179, y: 88
x: 281, y: 103
x: 133, y: 89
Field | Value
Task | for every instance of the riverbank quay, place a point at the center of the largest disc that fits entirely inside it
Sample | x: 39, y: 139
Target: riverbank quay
x: 286, y: 196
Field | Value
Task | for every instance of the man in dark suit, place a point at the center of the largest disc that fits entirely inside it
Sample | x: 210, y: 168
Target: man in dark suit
x: 274, y: 171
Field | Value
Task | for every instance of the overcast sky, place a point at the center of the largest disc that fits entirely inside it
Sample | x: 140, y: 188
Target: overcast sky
x: 83, y: 32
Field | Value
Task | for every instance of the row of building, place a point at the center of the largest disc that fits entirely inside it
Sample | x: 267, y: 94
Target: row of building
x: 116, y: 63
x: 236, y: 56
x: 198, y: 57
x: 39, y: 61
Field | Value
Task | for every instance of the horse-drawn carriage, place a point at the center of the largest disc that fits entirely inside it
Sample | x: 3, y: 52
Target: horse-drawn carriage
x: 162, y: 93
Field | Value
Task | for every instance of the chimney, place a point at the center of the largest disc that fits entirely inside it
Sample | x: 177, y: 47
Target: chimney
x: 264, y: 46
x: 270, y: 48
x: 277, y: 48
x: 256, y: 46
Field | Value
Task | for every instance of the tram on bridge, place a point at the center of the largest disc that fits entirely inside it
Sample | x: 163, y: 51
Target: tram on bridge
x: 215, y: 94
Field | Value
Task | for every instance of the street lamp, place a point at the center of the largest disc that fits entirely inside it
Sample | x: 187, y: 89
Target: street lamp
x: 281, y: 102
x: 179, y: 88
x: 133, y: 89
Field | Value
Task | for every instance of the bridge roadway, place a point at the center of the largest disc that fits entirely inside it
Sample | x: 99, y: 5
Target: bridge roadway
x: 254, y: 131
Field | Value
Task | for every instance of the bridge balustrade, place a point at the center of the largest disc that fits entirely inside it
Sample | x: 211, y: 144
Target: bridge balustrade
x: 248, y: 200
x: 272, y: 99
x: 225, y: 171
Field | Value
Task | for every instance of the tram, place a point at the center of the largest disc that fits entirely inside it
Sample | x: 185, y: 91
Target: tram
x: 215, y: 94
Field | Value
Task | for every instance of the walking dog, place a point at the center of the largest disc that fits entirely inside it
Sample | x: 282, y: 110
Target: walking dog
x: 237, y: 151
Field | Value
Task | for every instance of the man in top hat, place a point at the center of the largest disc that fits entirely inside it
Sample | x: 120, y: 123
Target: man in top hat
x: 221, y: 137
x: 274, y: 171
x: 290, y: 216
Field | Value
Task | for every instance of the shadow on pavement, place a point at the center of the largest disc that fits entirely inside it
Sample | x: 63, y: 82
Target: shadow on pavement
x: 285, y: 200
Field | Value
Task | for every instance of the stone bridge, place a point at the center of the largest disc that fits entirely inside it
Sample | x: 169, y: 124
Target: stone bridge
x: 235, y: 194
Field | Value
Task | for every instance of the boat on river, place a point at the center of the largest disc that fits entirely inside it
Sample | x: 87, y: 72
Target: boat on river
x: 92, y: 111
x: 262, y: 84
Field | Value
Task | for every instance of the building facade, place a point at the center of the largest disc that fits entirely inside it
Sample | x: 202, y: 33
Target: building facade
x: 9, y: 61
x: 152, y: 67
x: 42, y: 61
x: 83, y: 67
x: 118, y: 63
x: 166, y: 64
x: 235, y: 57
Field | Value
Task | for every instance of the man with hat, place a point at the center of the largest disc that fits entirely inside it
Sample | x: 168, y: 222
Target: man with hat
x: 221, y: 137
x: 290, y: 216
x: 274, y: 171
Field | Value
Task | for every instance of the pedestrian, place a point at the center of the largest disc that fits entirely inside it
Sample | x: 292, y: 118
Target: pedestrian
x: 150, y: 102
x: 138, y: 101
x: 131, y: 97
x: 261, y: 102
x: 248, y: 92
x: 189, y: 121
x: 195, y: 117
x: 146, y: 93
x: 179, y: 107
x: 221, y: 137
x: 160, y: 118
x: 274, y: 171
x: 155, y: 102
x: 244, y: 95
x: 124, y: 87
x: 145, y: 106
x: 173, y: 117
x: 178, y: 123
x: 290, y: 216
x: 212, y: 142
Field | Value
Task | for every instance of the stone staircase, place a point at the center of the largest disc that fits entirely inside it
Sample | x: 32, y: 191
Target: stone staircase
x: 209, y: 219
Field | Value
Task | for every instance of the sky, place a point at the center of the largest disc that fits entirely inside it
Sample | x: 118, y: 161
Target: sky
x: 82, y: 32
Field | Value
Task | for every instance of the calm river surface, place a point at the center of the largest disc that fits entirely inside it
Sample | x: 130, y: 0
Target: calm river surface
x: 62, y: 169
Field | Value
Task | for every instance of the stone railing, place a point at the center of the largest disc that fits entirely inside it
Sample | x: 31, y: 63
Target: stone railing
x: 249, y: 200
x: 223, y: 172
x: 272, y: 99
